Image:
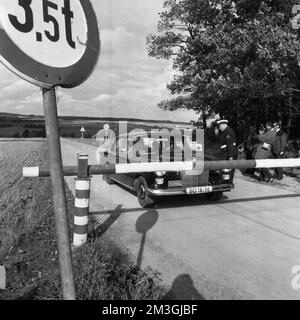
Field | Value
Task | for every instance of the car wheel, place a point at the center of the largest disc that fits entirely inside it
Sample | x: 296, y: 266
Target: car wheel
x: 108, y: 179
x: 141, y: 191
x: 214, y: 196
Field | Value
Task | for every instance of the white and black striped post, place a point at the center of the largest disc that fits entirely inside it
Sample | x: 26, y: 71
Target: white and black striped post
x: 82, y: 201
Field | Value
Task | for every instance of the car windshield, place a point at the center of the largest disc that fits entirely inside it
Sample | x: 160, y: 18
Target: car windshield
x: 160, y: 148
x: 158, y: 143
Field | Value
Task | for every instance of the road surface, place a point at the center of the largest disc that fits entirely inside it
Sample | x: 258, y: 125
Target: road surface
x: 242, y: 247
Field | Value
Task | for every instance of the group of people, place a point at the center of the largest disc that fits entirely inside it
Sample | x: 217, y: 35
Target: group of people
x: 268, y: 142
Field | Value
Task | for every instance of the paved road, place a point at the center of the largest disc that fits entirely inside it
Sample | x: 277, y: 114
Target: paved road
x: 242, y: 247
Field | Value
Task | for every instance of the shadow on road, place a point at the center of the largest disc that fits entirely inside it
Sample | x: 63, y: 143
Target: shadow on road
x: 183, y: 289
x: 191, y: 201
x: 100, y: 230
x: 112, y: 212
x: 143, y: 224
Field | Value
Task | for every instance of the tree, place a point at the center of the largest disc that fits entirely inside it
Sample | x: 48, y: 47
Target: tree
x: 237, y: 58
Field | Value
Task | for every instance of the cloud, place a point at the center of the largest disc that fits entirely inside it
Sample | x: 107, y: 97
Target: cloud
x: 19, y: 85
x: 125, y: 83
x: 103, y: 97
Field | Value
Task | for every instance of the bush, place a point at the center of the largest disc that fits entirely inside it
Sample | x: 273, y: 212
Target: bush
x: 35, y: 134
x: 35, y: 126
x: 26, y: 133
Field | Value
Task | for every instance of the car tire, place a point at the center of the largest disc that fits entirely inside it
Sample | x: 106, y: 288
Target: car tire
x: 214, y: 196
x: 140, y: 186
x: 108, y: 179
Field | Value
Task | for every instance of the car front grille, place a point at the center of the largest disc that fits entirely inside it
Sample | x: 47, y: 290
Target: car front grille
x: 195, y: 180
x: 172, y: 175
x: 174, y: 183
x: 176, y: 179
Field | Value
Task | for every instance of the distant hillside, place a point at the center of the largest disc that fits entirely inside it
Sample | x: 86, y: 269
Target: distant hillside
x: 32, y: 126
x: 82, y: 118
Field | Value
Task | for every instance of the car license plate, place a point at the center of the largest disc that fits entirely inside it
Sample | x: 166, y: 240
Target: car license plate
x: 198, y: 190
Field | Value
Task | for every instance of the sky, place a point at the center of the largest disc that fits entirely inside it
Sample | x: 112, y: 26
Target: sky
x: 126, y: 81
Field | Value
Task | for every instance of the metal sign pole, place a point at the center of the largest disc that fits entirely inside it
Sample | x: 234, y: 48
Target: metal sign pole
x: 58, y: 194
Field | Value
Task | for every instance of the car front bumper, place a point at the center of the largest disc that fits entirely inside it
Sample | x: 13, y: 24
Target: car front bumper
x: 181, y: 191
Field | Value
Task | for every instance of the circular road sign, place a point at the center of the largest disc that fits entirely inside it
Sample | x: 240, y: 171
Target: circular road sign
x: 49, y: 43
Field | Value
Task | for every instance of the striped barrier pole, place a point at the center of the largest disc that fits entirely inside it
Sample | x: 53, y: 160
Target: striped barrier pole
x: 33, y: 172
x: 82, y: 201
x: 168, y: 166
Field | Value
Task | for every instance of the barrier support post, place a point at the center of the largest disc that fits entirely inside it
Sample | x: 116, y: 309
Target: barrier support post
x: 82, y: 201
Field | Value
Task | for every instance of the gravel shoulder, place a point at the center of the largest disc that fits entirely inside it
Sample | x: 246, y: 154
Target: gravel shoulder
x: 290, y: 181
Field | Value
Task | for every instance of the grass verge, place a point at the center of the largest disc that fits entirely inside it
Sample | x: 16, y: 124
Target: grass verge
x: 28, y: 252
x: 102, y: 271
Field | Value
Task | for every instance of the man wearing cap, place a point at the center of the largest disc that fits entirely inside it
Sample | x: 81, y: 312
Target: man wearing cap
x: 228, y: 143
x: 279, y: 148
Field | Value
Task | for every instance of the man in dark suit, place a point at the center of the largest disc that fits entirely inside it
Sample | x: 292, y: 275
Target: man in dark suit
x: 228, y: 143
x: 264, y: 150
x: 279, y: 148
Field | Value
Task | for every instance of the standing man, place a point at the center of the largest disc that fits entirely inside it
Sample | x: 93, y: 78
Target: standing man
x: 264, y: 150
x: 279, y: 148
x: 228, y: 143
x: 250, y: 146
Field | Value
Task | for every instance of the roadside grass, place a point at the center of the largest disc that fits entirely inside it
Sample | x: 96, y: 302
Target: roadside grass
x: 28, y: 252
x: 101, y: 274
x: 27, y: 244
x: 102, y: 271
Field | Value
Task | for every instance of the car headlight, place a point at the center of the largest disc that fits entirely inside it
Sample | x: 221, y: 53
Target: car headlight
x: 160, y: 173
x: 226, y: 176
x: 159, y: 181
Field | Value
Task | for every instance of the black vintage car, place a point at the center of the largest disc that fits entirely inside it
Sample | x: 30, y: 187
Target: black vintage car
x: 149, y: 186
